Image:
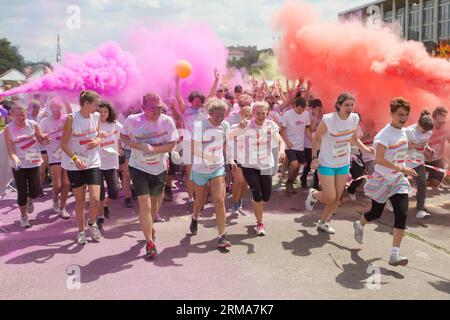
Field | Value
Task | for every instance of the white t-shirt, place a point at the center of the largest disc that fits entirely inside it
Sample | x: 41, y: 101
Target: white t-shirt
x: 25, y: 144
x: 159, y: 132
x: 212, y: 139
x: 335, y: 143
x: 259, y: 143
x: 54, y: 128
x: 84, y: 130
x: 109, y: 145
x: 295, y: 125
x: 415, y: 136
x: 396, y: 143
x: 438, y: 140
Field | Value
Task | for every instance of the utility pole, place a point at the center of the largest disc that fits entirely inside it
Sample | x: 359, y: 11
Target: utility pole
x: 58, y: 51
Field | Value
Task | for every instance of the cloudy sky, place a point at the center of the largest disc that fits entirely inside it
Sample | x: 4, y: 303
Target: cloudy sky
x: 33, y: 25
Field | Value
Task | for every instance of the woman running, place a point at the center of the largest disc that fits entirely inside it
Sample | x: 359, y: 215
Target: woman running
x: 209, y: 142
x: 333, y: 137
x: 258, y: 160
x: 419, y: 135
x: 53, y: 125
x: 109, y: 153
x: 22, y: 139
x: 81, y: 159
x: 389, y: 180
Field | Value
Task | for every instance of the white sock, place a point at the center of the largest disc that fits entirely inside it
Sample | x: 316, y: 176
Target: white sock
x: 395, y: 251
x: 360, y: 226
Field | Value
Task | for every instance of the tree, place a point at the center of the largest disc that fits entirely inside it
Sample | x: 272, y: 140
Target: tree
x: 10, y: 56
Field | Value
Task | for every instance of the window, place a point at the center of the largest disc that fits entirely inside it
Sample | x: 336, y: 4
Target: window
x: 444, y: 20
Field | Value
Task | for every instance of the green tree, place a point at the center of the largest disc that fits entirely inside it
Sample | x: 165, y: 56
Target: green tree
x: 10, y: 56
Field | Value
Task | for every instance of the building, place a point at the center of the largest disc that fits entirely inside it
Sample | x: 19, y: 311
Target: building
x: 12, y: 77
x: 239, y: 52
x: 427, y: 21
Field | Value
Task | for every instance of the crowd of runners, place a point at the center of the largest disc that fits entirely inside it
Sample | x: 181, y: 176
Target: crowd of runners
x: 230, y: 141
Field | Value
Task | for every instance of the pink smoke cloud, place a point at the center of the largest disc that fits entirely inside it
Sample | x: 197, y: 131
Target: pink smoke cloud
x: 144, y: 62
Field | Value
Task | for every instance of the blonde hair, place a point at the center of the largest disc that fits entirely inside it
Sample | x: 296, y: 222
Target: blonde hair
x: 215, y: 104
x: 246, y: 108
x: 261, y: 104
x: 18, y: 106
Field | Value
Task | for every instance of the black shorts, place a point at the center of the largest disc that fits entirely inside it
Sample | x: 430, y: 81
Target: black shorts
x: 90, y: 177
x: 44, y: 152
x: 122, y: 160
x: 433, y: 174
x: 295, y: 155
x: 173, y: 168
x: 54, y: 164
x: 145, y: 183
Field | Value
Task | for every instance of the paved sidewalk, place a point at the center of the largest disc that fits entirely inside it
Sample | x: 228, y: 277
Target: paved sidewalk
x: 292, y: 262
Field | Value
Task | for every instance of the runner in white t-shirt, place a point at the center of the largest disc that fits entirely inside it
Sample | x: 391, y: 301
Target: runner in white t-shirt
x: 193, y: 114
x: 22, y: 139
x: 419, y: 135
x: 110, y: 151
x: 81, y: 159
x: 296, y: 125
x: 208, y: 149
x: 316, y: 115
x: 257, y: 160
x: 389, y: 180
x: 151, y: 135
x: 239, y: 184
x: 37, y: 114
x: 53, y: 125
x: 333, y: 137
x: 438, y: 141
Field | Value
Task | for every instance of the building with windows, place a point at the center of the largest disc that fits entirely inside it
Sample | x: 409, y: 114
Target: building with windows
x: 427, y: 21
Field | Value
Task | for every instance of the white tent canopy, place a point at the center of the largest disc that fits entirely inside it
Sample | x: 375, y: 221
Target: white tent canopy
x: 13, y: 75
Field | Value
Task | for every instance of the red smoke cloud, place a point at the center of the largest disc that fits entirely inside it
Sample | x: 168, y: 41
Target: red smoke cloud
x: 375, y: 65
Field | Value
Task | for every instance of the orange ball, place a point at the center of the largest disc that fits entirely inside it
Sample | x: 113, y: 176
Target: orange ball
x: 183, y: 68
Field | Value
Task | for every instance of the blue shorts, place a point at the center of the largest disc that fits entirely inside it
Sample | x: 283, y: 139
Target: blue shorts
x: 332, y: 172
x: 202, y: 179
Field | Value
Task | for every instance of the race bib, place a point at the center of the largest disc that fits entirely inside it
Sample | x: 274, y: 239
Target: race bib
x: 33, y: 157
x: 340, y: 150
x: 150, y: 158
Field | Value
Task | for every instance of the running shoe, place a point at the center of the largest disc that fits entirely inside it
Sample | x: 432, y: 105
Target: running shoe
x: 310, y: 201
x: 194, y: 226
x: 397, y: 260
x: 25, y: 222
x: 64, y: 214
x: 422, y: 214
x: 150, y: 250
x: 325, y: 227
x: 223, y: 242
x: 95, y: 232
x: 81, y: 238
x: 55, y: 205
x: 158, y: 218
x: 260, y: 231
x: 359, y: 232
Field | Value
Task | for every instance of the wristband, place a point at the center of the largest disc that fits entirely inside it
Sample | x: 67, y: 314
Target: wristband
x: 74, y: 158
